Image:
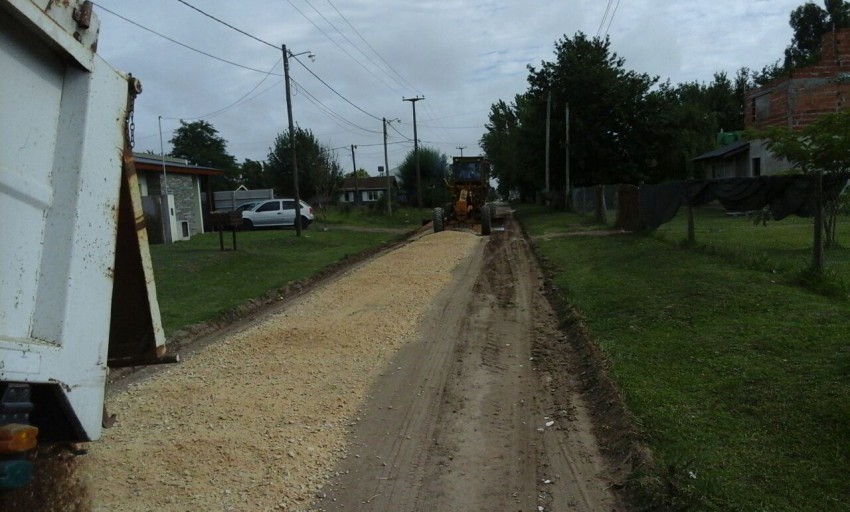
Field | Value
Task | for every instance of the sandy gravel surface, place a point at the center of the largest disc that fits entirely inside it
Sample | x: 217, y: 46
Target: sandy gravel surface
x: 485, y: 410
x: 258, y: 420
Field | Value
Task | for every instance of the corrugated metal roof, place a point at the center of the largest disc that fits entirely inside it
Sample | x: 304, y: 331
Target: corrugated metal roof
x: 724, y: 152
x: 148, y: 162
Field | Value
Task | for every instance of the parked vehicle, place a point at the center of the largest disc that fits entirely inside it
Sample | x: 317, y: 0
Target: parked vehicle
x: 78, y: 294
x: 276, y: 213
x: 243, y: 207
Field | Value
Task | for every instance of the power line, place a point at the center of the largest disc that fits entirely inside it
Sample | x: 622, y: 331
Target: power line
x: 255, y: 38
x: 398, y: 132
x: 183, y: 44
x: 234, y: 63
x: 275, y: 47
x: 338, y: 31
x: 237, y: 102
x: 343, y: 50
x: 604, y: 16
x: 328, y: 110
x: 447, y: 127
x: 334, y: 90
x: 371, y: 47
x: 611, y: 19
x: 247, y: 96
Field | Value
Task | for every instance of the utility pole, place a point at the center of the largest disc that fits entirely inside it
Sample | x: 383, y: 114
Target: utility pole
x: 567, y: 198
x: 461, y: 148
x: 356, y: 188
x: 292, y: 141
x: 416, y: 150
x: 162, y: 156
x: 166, y: 219
x: 387, y: 167
x: 548, y: 115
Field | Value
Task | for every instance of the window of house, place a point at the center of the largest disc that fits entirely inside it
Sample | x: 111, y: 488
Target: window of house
x: 756, y: 166
x: 373, y: 195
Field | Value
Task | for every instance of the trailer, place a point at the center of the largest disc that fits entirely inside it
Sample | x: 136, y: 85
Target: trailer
x: 77, y: 292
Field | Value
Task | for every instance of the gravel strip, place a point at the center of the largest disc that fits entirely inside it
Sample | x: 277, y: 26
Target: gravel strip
x: 258, y: 420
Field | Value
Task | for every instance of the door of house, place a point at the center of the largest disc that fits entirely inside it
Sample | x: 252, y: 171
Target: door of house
x: 757, y: 166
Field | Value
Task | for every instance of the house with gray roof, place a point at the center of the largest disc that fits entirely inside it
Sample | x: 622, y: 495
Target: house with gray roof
x: 188, y: 188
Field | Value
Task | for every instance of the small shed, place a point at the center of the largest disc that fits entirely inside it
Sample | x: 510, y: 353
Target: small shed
x: 728, y: 161
x: 188, y: 187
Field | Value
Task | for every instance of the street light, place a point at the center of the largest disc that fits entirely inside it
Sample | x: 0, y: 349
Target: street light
x: 286, y: 55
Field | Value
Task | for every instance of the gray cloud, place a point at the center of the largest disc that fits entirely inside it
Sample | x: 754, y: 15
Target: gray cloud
x: 461, y: 55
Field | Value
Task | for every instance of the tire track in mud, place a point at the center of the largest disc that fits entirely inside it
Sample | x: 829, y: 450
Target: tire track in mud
x: 482, y: 429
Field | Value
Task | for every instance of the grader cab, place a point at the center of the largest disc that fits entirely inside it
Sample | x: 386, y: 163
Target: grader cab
x: 468, y: 191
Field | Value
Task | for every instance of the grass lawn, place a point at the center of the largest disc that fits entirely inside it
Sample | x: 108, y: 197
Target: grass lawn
x: 196, y: 281
x: 740, y: 381
x: 780, y: 246
x: 367, y: 217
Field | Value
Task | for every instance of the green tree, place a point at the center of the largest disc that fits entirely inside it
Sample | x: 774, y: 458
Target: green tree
x: 361, y: 173
x: 821, y: 146
x: 768, y: 73
x: 609, y: 114
x: 200, y: 143
x: 624, y: 126
x: 683, y: 126
x: 314, y: 162
x: 253, y: 174
x: 433, y: 170
x: 327, y: 178
x: 810, y: 22
x: 500, y: 144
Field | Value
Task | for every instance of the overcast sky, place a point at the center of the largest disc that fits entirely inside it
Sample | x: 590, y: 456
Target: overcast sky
x: 461, y: 56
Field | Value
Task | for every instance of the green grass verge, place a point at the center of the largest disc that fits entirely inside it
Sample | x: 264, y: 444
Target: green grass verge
x: 780, y: 246
x: 740, y: 381
x: 370, y: 217
x: 196, y: 281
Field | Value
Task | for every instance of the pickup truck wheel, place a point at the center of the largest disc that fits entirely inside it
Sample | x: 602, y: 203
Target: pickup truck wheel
x: 305, y: 223
x: 247, y: 225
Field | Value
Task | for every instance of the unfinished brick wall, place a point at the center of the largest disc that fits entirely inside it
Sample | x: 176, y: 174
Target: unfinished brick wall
x: 809, y: 92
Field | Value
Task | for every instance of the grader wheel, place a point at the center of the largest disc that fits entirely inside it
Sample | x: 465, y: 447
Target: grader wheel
x: 438, y: 220
x: 486, y: 219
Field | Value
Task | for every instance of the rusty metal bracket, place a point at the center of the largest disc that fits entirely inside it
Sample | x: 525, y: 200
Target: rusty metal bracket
x: 82, y: 15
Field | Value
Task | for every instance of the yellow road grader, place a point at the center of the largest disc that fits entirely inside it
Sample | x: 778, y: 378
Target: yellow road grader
x: 468, y: 190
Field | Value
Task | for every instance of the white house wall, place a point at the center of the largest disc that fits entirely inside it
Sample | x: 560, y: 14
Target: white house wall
x: 197, y: 223
x: 769, y: 163
x: 348, y: 196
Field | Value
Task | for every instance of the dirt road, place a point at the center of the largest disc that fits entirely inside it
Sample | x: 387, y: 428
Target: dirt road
x: 431, y: 378
x: 462, y: 419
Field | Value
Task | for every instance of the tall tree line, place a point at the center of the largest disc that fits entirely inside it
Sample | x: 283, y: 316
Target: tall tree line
x: 319, y: 172
x: 625, y: 126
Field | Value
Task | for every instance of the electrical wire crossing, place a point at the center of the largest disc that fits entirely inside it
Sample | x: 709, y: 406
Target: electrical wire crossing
x: 178, y: 43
